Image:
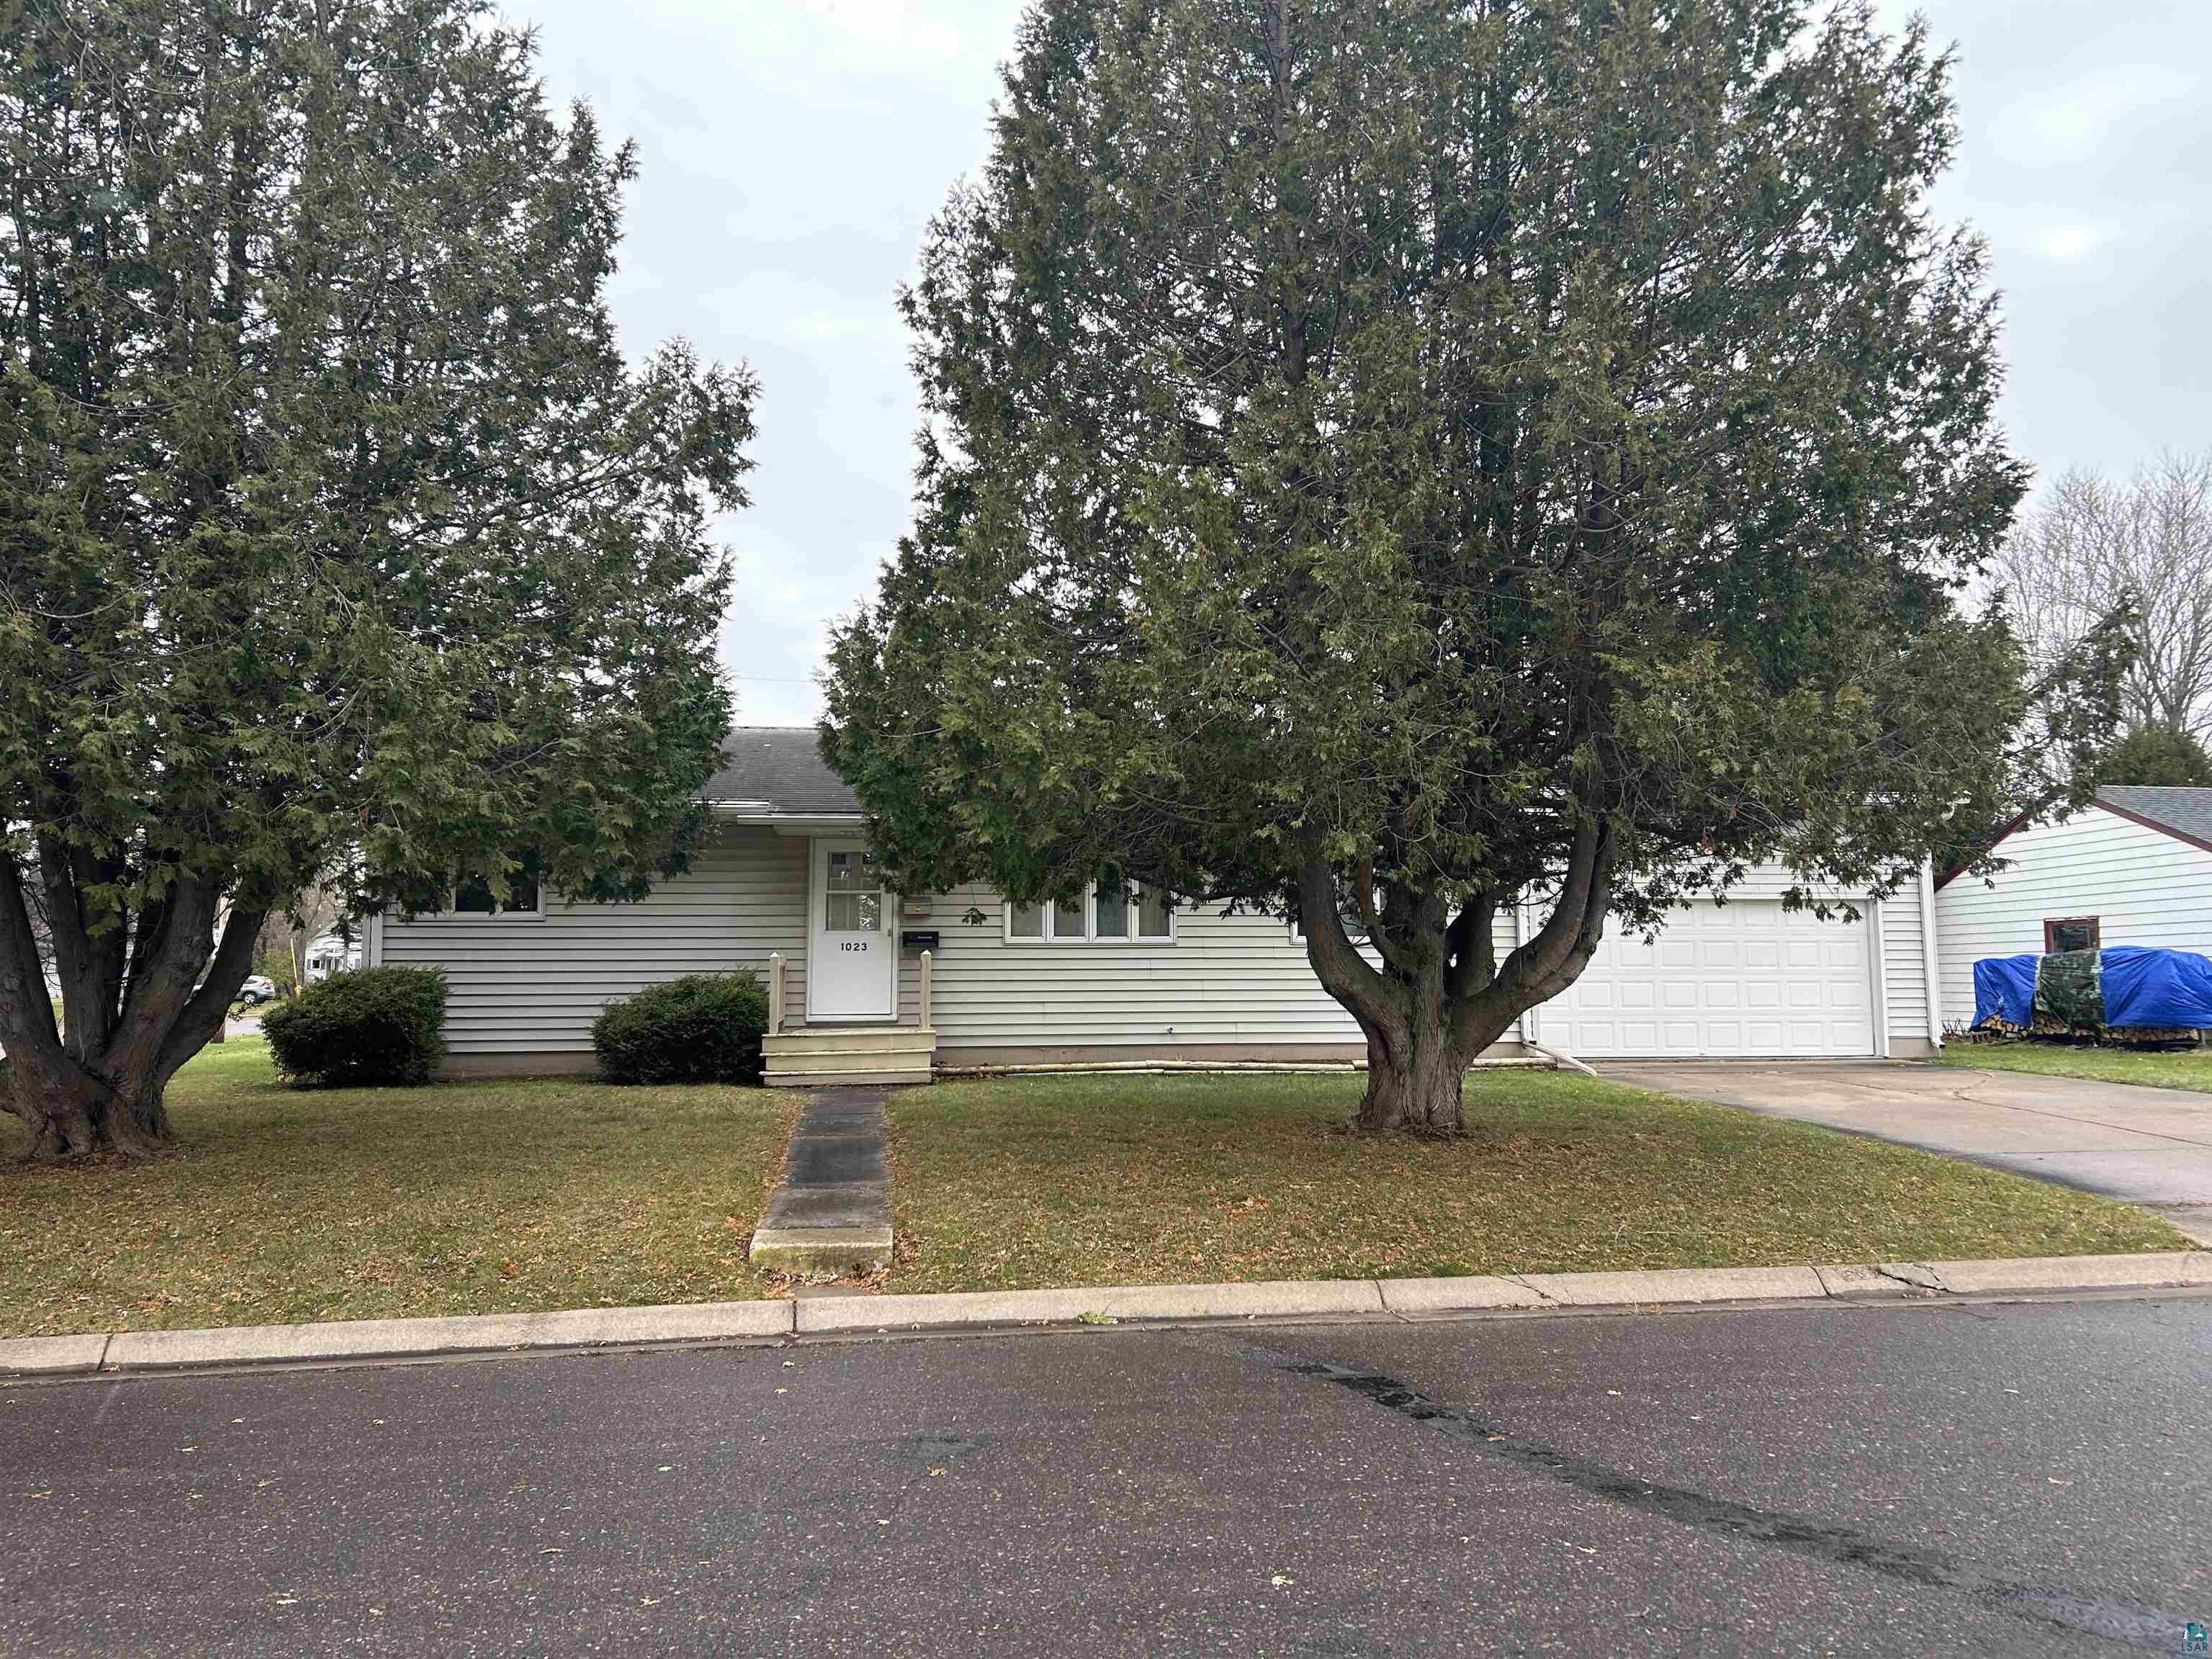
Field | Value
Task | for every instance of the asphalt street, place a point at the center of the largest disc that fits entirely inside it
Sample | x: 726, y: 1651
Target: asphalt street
x: 1923, y: 1479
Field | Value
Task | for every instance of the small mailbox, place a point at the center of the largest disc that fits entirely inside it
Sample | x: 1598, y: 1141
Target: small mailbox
x: 918, y: 938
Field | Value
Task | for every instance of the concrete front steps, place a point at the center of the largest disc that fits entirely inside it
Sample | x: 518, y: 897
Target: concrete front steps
x: 817, y: 1056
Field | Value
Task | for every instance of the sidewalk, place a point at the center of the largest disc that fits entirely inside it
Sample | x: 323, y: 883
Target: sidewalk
x: 832, y: 1215
x: 1388, y: 1300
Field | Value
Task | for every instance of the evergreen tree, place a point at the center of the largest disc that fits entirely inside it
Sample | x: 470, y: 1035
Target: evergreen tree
x: 1414, y: 457
x: 338, y: 542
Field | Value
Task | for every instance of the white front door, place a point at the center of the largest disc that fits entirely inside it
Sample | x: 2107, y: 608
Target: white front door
x: 852, y: 964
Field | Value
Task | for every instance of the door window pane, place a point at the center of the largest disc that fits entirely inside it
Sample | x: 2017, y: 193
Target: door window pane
x: 1113, y: 906
x: 854, y: 913
x: 1028, y: 921
x: 1067, y: 919
x: 853, y: 893
x: 852, y: 871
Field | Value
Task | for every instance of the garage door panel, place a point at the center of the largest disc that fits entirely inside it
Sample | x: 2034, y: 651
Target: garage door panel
x: 1743, y: 979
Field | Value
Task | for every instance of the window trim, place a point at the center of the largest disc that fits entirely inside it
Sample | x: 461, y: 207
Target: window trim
x: 2094, y: 924
x: 537, y: 913
x: 1047, y: 914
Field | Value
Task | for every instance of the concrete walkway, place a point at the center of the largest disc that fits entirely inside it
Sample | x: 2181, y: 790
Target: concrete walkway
x: 832, y: 1216
x: 2147, y: 1147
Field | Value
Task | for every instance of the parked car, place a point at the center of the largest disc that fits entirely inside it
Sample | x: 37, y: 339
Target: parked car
x: 257, y: 990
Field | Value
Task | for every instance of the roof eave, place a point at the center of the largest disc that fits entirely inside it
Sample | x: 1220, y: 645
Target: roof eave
x: 764, y: 815
x: 2163, y: 828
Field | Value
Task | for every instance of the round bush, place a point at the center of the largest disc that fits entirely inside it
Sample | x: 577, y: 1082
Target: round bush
x: 379, y: 1025
x: 703, y: 1028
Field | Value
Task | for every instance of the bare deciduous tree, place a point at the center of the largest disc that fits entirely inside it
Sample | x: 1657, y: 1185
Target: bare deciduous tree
x: 294, y: 929
x: 2089, y: 546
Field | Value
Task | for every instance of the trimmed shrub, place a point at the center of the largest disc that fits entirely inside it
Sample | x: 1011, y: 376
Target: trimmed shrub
x: 703, y: 1028
x: 379, y: 1025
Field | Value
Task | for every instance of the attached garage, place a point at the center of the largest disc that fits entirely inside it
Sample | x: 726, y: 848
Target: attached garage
x: 1749, y: 979
x: 1098, y: 981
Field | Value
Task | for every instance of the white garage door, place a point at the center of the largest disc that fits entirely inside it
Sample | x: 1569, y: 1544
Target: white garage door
x: 1747, y: 977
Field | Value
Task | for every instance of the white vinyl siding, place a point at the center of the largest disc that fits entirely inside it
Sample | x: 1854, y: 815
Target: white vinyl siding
x: 524, y: 985
x: 1904, y: 972
x: 530, y: 987
x: 2144, y: 887
x: 1221, y: 980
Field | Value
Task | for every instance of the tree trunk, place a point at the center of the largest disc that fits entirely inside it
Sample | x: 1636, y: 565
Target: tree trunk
x: 72, y: 1111
x: 96, y: 1083
x: 1436, y: 996
x: 1414, y: 1085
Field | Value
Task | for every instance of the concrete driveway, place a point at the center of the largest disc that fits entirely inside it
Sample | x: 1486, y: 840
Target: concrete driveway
x: 2148, y: 1147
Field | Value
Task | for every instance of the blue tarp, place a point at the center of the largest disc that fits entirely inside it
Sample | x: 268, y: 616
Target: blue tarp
x: 2147, y: 988
x: 2165, y: 990
x: 2004, y: 989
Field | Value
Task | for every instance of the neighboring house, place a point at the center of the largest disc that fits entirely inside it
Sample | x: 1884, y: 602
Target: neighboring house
x: 331, y: 954
x: 786, y: 873
x: 2135, y: 867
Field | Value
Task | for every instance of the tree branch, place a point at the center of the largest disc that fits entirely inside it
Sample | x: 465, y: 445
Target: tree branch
x: 203, y: 1015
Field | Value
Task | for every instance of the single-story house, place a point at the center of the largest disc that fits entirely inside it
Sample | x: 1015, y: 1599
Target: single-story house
x: 332, y: 953
x: 2134, y: 868
x: 872, y: 983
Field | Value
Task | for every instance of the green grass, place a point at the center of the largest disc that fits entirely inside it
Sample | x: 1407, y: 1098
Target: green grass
x: 2190, y: 1069
x: 281, y: 1204
x: 1024, y: 1182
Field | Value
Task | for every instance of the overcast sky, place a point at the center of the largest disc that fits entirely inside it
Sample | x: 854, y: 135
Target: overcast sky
x: 792, y: 152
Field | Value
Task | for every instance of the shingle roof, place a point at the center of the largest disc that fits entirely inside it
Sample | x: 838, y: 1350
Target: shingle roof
x: 779, y: 769
x: 2184, y: 812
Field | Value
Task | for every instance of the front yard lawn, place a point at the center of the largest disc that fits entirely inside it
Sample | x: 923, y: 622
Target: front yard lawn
x: 283, y: 1205
x: 1025, y: 1183
x: 2185, y: 1069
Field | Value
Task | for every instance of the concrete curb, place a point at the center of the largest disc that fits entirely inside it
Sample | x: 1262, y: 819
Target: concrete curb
x: 1322, y: 1297
x: 1402, y: 1299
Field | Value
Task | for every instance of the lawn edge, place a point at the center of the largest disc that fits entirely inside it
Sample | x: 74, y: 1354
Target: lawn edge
x: 582, y: 1329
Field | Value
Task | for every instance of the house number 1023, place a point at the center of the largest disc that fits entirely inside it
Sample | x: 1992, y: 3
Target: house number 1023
x: 854, y: 945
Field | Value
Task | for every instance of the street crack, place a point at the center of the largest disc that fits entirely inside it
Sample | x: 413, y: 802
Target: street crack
x: 1536, y: 1290
x: 2117, y: 1621
x: 1926, y: 1280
